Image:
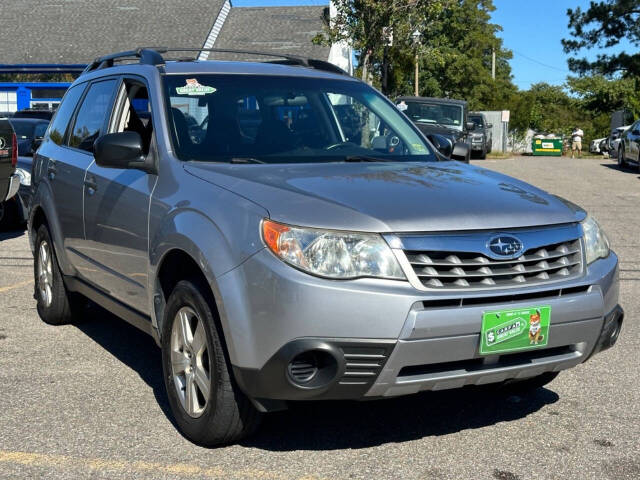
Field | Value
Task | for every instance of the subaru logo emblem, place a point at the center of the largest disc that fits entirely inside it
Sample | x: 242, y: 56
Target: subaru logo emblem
x: 505, y: 246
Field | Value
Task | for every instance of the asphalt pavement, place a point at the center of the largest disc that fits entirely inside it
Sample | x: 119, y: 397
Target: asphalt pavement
x: 87, y: 400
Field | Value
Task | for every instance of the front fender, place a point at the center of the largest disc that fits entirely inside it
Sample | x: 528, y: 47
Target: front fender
x: 216, y: 250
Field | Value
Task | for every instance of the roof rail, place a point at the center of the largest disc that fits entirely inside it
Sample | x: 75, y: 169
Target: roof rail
x: 153, y: 56
x: 146, y: 56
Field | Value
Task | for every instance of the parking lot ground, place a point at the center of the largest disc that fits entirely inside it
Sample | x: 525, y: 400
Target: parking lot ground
x: 87, y: 400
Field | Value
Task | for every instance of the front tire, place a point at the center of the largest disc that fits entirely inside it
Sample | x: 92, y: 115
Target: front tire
x: 622, y: 163
x: 207, y: 404
x: 55, y: 305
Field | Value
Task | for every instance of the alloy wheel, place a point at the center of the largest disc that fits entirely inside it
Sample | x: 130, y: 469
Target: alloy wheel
x: 45, y: 274
x: 190, y: 364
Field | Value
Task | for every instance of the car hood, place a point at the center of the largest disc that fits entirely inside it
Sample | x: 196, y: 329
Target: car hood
x: 390, y: 197
x: 430, y: 128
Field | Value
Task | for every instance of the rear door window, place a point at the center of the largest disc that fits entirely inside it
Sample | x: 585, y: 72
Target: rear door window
x: 64, y: 113
x: 92, y: 115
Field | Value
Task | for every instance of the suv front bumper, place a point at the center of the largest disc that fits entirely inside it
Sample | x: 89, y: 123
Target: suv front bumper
x: 384, y: 338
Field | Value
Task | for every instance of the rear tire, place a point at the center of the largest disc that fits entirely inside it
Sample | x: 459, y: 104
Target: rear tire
x: 206, y: 402
x: 56, y: 305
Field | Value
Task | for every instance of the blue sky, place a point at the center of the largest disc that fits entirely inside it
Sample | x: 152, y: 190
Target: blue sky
x: 532, y: 30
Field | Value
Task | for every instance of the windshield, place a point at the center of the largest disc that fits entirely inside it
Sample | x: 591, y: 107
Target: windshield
x: 477, y: 119
x: 24, y: 130
x: 269, y: 119
x: 447, y: 115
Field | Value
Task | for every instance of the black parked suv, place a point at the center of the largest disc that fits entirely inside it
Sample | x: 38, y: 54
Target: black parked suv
x: 9, y: 181
x: 440, y: 116
x: 482, y: 136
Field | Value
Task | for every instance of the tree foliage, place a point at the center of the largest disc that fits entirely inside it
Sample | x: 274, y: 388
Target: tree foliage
x: 454, y: 52
x: 601, y: 95
x: 603, y: 25
x: 369, y: 24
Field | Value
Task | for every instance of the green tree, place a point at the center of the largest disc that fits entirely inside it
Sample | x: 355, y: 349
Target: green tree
x: 455, y: 50
x: 605, y: 24
x: 600, y: 95
x: 457, y: 56
x: 368, y: 24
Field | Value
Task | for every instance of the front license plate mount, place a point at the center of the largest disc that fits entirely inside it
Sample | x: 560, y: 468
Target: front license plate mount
x: 506, y: 331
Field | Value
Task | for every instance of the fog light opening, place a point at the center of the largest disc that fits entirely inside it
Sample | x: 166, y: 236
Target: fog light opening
x: 312, y: 369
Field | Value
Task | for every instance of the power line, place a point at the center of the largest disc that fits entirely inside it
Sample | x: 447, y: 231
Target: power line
x: 540, y: 63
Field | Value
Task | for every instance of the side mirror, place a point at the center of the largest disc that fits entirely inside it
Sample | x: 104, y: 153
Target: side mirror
x: 489, y: 125
x: 471, y: 126
x: 442, y: 143
x: 122, y: 150
x: 461, y: 152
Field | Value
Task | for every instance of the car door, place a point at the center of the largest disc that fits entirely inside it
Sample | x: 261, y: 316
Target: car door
x: 634, y: 139
x: 63, y: 170
x: 116, y: 207
x: 67, y: 165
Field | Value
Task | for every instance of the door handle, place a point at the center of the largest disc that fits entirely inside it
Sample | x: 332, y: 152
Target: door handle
x: 91, y: 185
x: 52, y: 170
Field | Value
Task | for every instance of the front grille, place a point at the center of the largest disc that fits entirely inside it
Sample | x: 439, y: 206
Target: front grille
x: 489, y: 363
x: 462, y: 270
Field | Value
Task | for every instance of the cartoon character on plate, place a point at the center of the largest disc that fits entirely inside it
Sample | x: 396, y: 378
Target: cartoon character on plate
x: 535, y: 331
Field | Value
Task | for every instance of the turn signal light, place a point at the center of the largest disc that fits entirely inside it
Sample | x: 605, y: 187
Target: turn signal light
x: 271, y: 232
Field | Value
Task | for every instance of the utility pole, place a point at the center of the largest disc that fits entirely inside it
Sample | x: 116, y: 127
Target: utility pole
x: 417, y: 89
x: 416, y: 36
x: 493, y: 63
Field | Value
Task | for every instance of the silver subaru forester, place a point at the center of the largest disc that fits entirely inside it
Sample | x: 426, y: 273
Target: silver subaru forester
x: 285, y: 233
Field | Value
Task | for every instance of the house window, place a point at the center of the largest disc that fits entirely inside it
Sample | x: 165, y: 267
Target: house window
x: 8, y: 102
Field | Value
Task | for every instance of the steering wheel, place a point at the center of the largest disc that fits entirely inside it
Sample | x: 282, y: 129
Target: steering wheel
x: 337, y: 146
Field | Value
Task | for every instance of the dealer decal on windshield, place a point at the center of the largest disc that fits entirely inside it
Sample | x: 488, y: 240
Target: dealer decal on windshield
x: 193, y: 87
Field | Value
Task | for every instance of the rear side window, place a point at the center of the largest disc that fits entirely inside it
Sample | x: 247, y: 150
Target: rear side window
x: 92, y: 115
x: 63, y: 115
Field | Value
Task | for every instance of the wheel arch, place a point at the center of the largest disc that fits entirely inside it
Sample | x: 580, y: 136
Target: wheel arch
x: 176, y: 265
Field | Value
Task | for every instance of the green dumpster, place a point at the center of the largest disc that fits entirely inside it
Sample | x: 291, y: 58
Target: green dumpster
x: 549, y: 147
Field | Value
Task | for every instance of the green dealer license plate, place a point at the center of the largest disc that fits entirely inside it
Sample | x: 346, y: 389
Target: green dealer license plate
x: 514, y: 330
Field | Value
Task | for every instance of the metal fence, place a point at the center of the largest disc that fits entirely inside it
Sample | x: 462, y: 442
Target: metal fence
x: 500, y: 133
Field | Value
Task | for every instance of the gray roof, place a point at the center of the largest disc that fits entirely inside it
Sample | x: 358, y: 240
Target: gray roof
x: 77, y: 31
x: 273, y: 29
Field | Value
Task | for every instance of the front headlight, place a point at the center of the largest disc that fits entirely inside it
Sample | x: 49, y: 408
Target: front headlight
x: 595, y: 240
x: 332, y: 254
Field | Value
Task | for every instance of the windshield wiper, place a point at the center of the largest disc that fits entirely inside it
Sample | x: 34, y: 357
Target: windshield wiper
x: 363, y: 158
x: 245, y: 160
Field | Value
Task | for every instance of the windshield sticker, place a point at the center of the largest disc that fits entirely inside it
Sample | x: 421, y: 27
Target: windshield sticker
x: 402, y: 106
x: 193, y: 87
x: 418, y: 147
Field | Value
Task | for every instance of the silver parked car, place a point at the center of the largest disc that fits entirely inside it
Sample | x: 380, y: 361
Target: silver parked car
x: 308, y: 244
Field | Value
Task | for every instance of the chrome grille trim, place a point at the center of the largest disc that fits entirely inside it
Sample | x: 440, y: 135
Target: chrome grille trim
x: 463, y: 261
